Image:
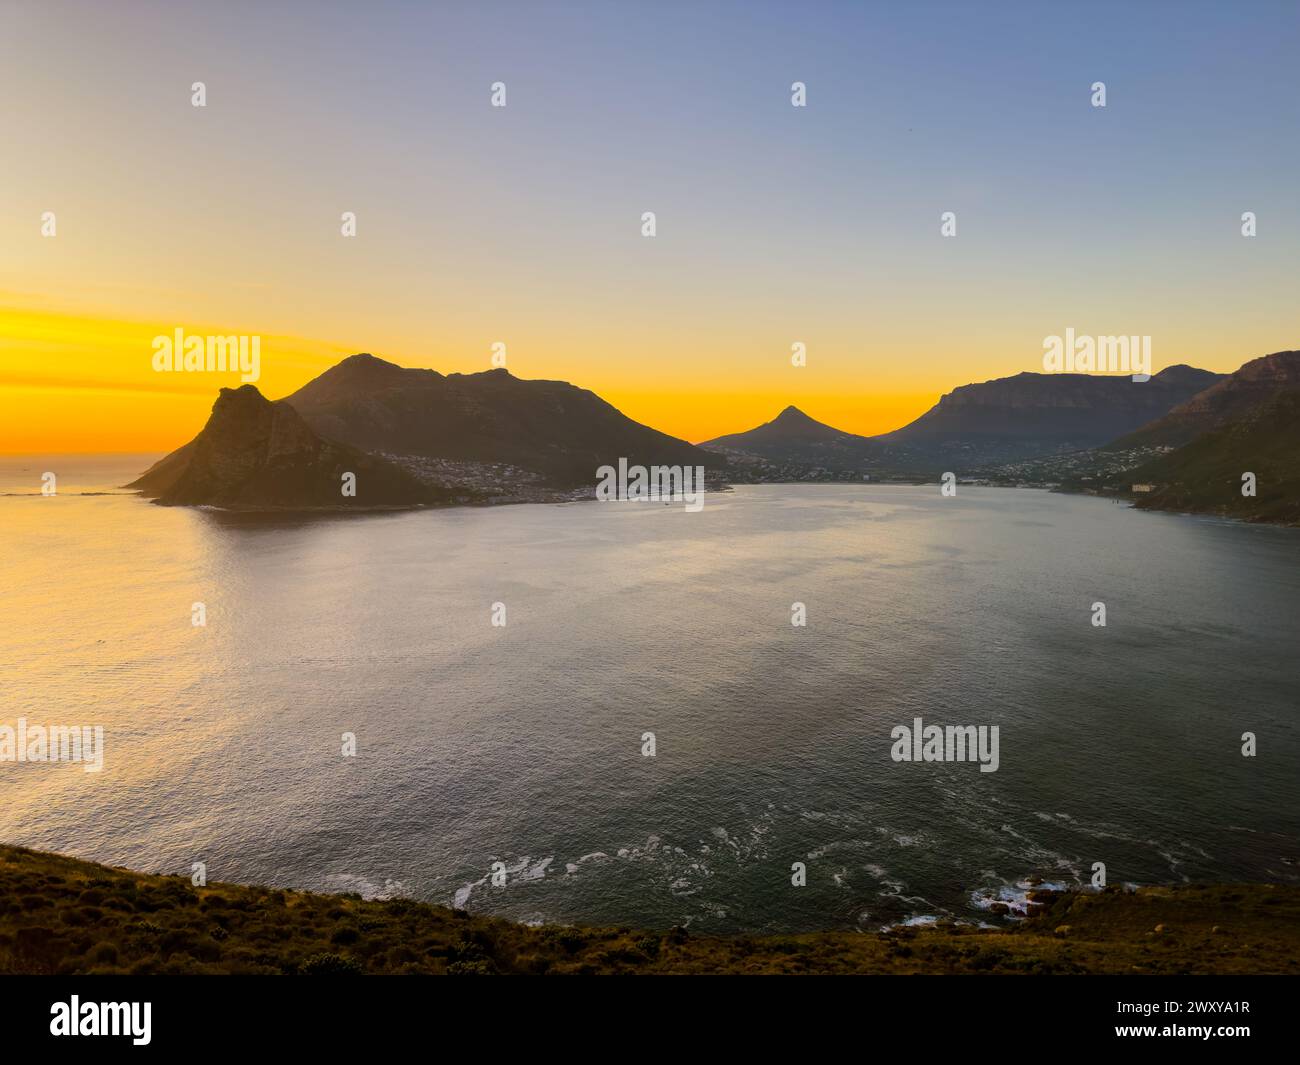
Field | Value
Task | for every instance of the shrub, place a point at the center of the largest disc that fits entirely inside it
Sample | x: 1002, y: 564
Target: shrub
x: 105, y: 953
x: 569, y: 940
x: 176, y: 942
x: 329, y: 964
x: 471, y: 945
x: 472, y: 967
x: 401, y: 955
x: 648, y: 945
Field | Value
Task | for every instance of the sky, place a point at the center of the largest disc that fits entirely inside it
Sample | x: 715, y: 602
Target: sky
x: 522, y: 224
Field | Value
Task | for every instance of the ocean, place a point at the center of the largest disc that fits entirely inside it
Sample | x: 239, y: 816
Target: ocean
x: 520, y: 747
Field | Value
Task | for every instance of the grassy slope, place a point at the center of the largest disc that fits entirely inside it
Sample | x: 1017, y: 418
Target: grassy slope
x: 60, y: 915
x: 1205, y: 475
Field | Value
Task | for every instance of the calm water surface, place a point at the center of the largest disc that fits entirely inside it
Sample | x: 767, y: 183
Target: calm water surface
x: 522, y: 744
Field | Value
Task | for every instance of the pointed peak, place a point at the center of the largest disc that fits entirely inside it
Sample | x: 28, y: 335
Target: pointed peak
x: 363, y: 359
x: 793, y: 414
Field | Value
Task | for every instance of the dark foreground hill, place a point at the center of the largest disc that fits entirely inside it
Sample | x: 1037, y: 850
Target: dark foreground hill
x: 255, y: 453
x: 60, y: 915
x: 1229, y: 399
x: 1192, y: 459
x: 1205, y: 476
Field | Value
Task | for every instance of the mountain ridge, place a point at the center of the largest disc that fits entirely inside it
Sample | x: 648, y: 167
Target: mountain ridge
x: 560, y: 431
x: 1031, y: 414
x: 1025, y: 416
x: 1254, y: 382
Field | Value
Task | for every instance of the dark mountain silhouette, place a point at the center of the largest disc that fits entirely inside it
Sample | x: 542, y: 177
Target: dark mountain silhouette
x: 1035, y: 414
x: 257, y: 454
x: 553, y: 428
x: 1223, y: 402
x: 1206, y: 475
x: 794, y: 438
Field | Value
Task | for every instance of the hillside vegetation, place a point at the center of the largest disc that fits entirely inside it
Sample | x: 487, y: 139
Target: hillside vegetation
x: 1205, y: 475
x: 60, y: 915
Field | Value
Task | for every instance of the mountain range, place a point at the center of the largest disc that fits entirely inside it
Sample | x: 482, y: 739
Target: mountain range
x: 418, y: 437
x: 412, y: 437
x: 975, y: 426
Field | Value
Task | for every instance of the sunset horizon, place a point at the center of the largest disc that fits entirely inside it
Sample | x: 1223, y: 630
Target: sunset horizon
x: 915, y: 225
x: 634, y: 488
x: 140, y: 411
